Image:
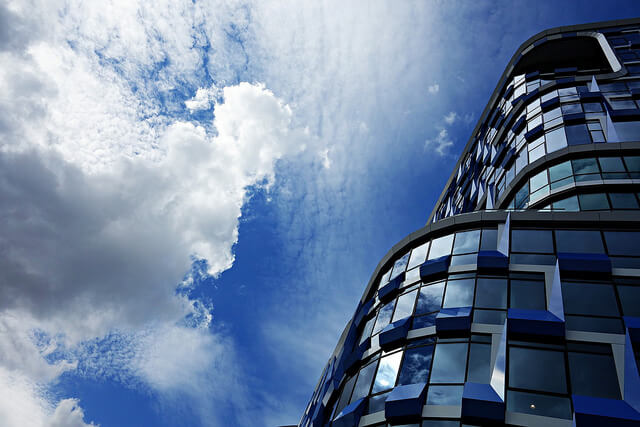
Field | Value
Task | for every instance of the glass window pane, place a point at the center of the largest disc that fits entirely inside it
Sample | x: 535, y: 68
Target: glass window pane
x: 582, y: 166
x: 376, y: 403
x: 597, y: 299
x: 605, y: 325
x: 570, y: 204
x: 527, y: 294
x: 571, y: 108
x: 593, y: 202
x: 630, y: 300
x: 368, y: 327
x: 537, y: 241
x: 489, y: 240
x: 384, y: 316
x: 459, y: 293
x: 466, y: 242
x: 577, y: 134
x: 404, y: 307
x: 424, y: 321
x: 492, y: 317
x: 430, y: 298
x: 538, y: 181
x: 552, y: 114
x: 633, y: 163
x: 627, y: 131
x: 560, y: 171
x: 535, y: 369
x: 593, y: 375
x: 492, y: 293
x: 416, y: 365
x: 364, y: 382
x: 449, y: 363
x: 346, y: 394
x: 441, y: 246
x: 539, y: 404
x: 592, y: 107
x: 622, y: 104
x: 623, y: 242
x: 400, y: 265
x: 444, y: 395
x: 580, y: 241
x: 623, y: 201
x: 418, y: 255
x: 479, y: 363
x: 611, y: 164
x: 387, y: 372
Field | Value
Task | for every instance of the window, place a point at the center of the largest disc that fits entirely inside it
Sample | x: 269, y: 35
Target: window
x: 441, y: 247
x: 593, y: 202
x: 623, y: 242
x: 444, y: 395
x: 628, y: 131
x: 387, y: 372
x: 612, y: 168
x: 623, y: 201
x: 539, y: 404
x: 449, y: 363
x: 384, y: 316
x: 579, y: 241
x: 537, y: 241
x: 536, y: 369
x: 556, y: 140
x: 489, y: 240
x: 416, y: 365
x: 492, y: 293
x: 459, y: 293
x: 479, y: 363
x: 597, y: 299
x: 418, y: 255
x: 593, y: 374
x: 364, y: 382
x: 466, y: 242
x: 630, y: 300
x: 527, y: 294
x: 404, y: 306
x: 400, y: 265
x: 430, y: 298
x: 577, y: 134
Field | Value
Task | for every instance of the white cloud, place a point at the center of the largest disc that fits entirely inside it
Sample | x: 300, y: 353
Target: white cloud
x: 68, y: 413
x: 203, y: 99
x: 440, y: 144
x: 434, y: 88
x: 451, y: 118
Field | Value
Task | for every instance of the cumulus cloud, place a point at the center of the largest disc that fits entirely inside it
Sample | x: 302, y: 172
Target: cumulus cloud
x: 434, y: 88
x: 108, y: 193
x: 440, y: 144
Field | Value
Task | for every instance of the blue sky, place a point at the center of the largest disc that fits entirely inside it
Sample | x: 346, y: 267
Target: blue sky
x: 194, y: 194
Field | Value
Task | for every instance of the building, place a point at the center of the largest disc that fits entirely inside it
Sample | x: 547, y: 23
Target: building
x: 519, y: 302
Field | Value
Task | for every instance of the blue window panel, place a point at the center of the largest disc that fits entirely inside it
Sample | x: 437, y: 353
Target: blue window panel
x: 623, y: 242
x: 492, y: 260
x: 450, y: 395
x: 435, y: 267
x: 454, y: 319
x: 584, y: 263
x: 395, y: 333
x: 389, y: 291
x: 534, y: 322
x: 405, y: 402
x: 416, y: 365
x: 536, y: 241
x: 539, y: 404
x: 350, y: 416
x: 596, y: 411
x: 582, y: 241
x: 536, y: 369
x: 481, y: 403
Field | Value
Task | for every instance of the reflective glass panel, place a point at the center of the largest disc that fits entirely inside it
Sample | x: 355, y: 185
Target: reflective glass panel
x: 441, y: 246
x: 404, y: 307
x: 582, y: 166
x: 492, y: 317
x: 400, y: 265
x: 577, y: 134
x: 346, y: 394
x: 560, y: 171
x: 593, y: 375
x: 387, y: 372
x: 537, y: 241
x: 364, y: 382
x: 535, y: 369
x: 538, y: 181
x: 597, y: 299
x: 539, y: 404
x: 479, y: 363
x: 368, y: 327
x: 623, y: 242
x: 444, y: 395
x: 416, y: 365
x: 489, y: 240
x: 570, y: 204
x: 592, y: 107
x: 491, y: 293
x: 466, y: 242
x: 430, y: 298
x: 449, y: 363
x: 579, y: 241
x: 593, y: 202
x: 376, y: 403
x: 630, y: 300
x: 527, y: 294
x: 418, y: 255
x: 605, y: 325
x: 623, y: 201
x: 459, y: 293
x: 384, y: 317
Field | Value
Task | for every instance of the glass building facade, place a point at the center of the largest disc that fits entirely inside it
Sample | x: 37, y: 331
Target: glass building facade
x: 519, y: 302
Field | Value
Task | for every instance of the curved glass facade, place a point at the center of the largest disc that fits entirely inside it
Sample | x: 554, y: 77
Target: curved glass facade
x: 519, y: 302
